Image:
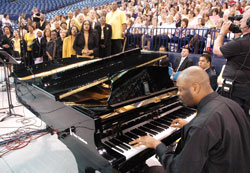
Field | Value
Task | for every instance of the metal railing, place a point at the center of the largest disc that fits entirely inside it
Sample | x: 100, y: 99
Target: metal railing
x: 173, y: 39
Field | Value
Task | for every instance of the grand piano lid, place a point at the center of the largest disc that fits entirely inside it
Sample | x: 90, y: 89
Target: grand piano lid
x: 70, y: 84
x: 51, y: 67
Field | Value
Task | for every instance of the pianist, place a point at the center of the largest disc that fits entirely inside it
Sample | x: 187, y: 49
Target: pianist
x: 216, y: 140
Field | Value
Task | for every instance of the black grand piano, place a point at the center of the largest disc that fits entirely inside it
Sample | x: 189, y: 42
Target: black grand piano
x: 100, y: 105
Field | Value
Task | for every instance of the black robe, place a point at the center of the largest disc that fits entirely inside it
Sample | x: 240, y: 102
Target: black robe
x: 37, y: 50
x: 7, y: 40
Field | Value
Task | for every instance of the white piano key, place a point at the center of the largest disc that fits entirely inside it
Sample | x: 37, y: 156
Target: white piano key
x: 167, y: 132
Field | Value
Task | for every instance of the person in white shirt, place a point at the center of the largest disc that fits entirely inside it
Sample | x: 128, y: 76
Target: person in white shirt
x: 6, y: 21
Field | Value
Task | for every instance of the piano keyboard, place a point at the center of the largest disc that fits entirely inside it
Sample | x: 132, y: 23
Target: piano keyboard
x: 158, y: 128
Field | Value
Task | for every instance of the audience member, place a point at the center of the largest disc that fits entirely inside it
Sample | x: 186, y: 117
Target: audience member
x: 86, y: 43
x: 80, y: 20
x: 6, y: 21
x: 182, y: 62
x: 44, y: 41
x: 29, y: 37
x: 51, y: 46
x: 43, y: 22
x: 70, y: 18
x: 205, y: 63
x: 6, y: 40
x: 85, y: 12
x: 59, y: 44
x: 37, y: 49
x: 21, y: 20
x: 214, y: 17
x: 36, y: 15
x: 77, y: 11
x: 64, y: 26
x: 16, y: 44
x: 93, y: 18
x: 104, y: 31
x: 35, y: 27
x: 68, y: 43
x: 57, y: 28
x: 117, y: 19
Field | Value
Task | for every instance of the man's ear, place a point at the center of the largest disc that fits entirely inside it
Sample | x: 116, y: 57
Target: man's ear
x: 196, y: 88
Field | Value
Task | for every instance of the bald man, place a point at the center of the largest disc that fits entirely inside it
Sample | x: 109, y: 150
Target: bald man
x: 237, y: 70
x: 216, y: 140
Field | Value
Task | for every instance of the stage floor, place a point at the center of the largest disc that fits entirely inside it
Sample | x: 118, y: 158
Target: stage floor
x: 44, y: 154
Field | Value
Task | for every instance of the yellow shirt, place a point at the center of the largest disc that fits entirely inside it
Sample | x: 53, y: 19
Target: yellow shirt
x: 68, y: 47
x: 29, y: 40
x: 86, y: 17
x: 79, y: 26
x: 17, y: 45
x: 116, y: 19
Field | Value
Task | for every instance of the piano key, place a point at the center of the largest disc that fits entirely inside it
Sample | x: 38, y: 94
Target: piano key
x: 138, y: 132
x: 158, y: 129
x: 188, y: 111
x: 179, y: 114
x: 168, y: 118
x: 127, y: 139
x: 174, y: 116
x: 118, y: 143
x: 134, y: 151
x: 163, y: 121
x: 113, y: 146
x: 124, y: 143
x: 131, y: 135
x: 147, y: 130
x: 159, y: 124
x: 124, y: 138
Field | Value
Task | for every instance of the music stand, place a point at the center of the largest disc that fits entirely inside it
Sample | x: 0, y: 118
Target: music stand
x: 6, y: 59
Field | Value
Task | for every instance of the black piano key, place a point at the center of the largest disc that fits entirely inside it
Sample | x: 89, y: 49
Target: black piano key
x: 138, y: 132
x: 162, y: 121
x: 168, y: 118
x: 185, y: 111
x: 120, y: 144
x: 158, y: 129
x: 113, y: 146
x: 160, y: 124
x: 124, y: 138
x: 128, y: 139
x: 155, y: 125
x: 124, y: 143
x: 131, y: 135
x: 147, y: 130
x: 179, y: 115
x: 188, y: 111
x: 174, y: 116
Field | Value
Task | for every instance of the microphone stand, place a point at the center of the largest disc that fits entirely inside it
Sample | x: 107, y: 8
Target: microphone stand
x: 6, y: 59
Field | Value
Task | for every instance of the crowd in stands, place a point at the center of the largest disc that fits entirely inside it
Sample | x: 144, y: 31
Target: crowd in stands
x: 100, y: 31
